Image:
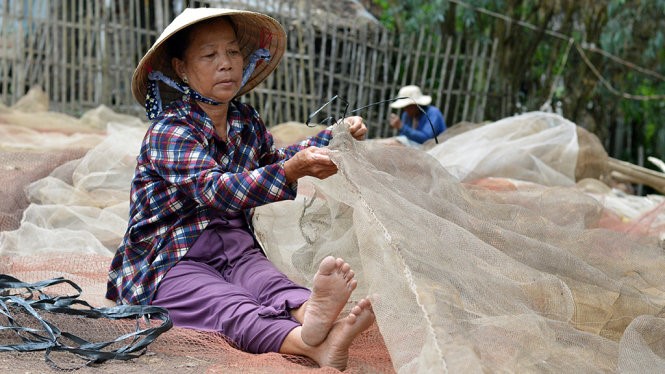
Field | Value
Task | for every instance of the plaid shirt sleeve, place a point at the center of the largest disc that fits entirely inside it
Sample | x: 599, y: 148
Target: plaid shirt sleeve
x: 235, y: 183
x: 321, y: 139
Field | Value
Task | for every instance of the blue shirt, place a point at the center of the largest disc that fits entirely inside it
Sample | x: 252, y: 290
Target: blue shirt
x: 423, y: 131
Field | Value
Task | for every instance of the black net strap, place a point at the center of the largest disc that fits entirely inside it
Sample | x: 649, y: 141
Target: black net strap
x: 21, y: 297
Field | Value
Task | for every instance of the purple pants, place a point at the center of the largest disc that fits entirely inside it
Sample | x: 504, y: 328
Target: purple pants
x: 225, y: 284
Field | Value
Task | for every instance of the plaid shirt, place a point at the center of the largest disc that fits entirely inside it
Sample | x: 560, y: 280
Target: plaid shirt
x: 185, y: 176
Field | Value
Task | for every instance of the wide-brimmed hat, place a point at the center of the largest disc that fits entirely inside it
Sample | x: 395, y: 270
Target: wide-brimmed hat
x: 411, y: 95
x: 253, y: 31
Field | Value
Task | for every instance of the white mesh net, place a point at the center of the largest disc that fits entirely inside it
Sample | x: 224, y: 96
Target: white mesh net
x: 468, y: 278
x: 535, y: 147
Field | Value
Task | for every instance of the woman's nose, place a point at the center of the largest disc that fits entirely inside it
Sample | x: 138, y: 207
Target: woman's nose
x: 224, y: 62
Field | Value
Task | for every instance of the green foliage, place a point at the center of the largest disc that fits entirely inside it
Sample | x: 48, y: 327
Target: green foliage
x: 650, y: 115
x: 634, y: 31
x: 387, y: 15
x: 410, y: 15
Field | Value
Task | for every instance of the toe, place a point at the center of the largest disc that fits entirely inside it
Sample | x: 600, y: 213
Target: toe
x: 350, y: 275
x: 327, y: 265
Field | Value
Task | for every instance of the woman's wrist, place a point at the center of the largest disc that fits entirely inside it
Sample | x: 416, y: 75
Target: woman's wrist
x: 290, y: 171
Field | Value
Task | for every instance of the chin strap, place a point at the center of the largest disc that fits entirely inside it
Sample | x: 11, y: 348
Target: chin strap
x: 153, y: 99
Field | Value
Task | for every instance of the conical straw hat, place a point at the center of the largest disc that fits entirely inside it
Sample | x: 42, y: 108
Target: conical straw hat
x: 251, y: 29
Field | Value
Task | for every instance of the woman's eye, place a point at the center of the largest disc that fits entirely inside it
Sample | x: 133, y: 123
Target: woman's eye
x: 233, y: 52
x: 209, y: 55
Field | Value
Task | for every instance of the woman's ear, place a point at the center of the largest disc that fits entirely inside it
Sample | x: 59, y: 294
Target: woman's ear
x: 178, y: 66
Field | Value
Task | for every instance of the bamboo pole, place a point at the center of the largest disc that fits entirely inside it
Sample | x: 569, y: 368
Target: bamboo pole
x: 632, y: 173
x: 387, y: 41
x: 469, y: 97
x: 444, y: 75
x: 451, y: 79
x: 416, y: 55
x: 425, y: 82
x: 17, y: 78
x: 7, y: 51
x: 488, y: 78
x: 437, y: 60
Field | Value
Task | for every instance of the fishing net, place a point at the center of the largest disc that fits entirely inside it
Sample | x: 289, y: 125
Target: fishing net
x: 477, y: 256
x: 482, y: 277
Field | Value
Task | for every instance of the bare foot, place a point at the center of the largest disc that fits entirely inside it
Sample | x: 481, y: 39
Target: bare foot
x: 333, y: 284
x: 334, y: 351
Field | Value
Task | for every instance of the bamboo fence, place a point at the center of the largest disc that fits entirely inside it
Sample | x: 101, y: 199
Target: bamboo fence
x: 83, y: 53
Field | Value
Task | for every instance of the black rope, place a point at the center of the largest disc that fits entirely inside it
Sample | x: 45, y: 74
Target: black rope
x: 49, y: 338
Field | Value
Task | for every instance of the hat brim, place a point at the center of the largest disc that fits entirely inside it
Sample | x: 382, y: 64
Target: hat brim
x: 403, y: 103
x: 250, y: 28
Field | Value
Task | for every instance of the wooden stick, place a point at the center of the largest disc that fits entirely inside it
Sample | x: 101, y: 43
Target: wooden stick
x: 637, y: 174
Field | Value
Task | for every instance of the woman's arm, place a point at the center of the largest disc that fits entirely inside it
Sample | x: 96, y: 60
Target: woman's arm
x: 180, y: 158
x: 424, y: 132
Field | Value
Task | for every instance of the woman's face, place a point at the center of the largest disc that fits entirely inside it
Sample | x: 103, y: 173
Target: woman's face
x: 412, y: 110
x: 212, y: 61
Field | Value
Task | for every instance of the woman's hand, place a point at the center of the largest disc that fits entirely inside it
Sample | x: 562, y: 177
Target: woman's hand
x: 395, y: 121
x: 316, y: 162
x: 312, y: 161
x: 357, y: 127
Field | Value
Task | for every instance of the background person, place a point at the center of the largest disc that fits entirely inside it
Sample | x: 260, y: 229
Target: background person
x: 413, y: 126
x: 206, y: 160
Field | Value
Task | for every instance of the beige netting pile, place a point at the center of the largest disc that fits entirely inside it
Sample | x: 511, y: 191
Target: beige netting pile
x: 34, y: 141
x: 487, y: 252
